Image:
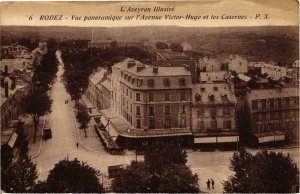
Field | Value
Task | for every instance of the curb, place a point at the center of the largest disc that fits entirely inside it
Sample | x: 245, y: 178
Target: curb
x: 77, y: 132
x: 39, y: 151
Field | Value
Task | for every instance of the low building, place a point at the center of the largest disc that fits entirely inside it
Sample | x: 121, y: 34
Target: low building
x: 273, y: 115
x: 207, y: 64
x: 238, y: 64
x: 94, y: 92
x: 274, y: 72
x: 213, y: 114
x: 108, y: 43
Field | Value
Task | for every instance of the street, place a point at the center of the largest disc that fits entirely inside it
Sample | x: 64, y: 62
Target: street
x: 64, y: 138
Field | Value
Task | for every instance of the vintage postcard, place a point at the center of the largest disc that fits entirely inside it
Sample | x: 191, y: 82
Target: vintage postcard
x: 150, y: 97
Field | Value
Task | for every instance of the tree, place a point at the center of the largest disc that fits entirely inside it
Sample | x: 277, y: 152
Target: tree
x: 265, y: 172
x: 134, y: 179
x: 176, y: 47
x: 161, y: 45
x: 178, y: 179
x: 76, y: 82
x: 155, y: 156
x: 163, y: 170
x: 37, y: 103
x: 82, y: 116
x: 71, y: 176
x: 20, y: 177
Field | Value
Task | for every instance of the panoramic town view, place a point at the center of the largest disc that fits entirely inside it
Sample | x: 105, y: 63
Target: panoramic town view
x: 151, y: 109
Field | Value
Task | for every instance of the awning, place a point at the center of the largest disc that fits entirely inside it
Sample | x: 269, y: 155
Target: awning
x: 228, y: 139
x: 271, y: 138
x: 205, y: 139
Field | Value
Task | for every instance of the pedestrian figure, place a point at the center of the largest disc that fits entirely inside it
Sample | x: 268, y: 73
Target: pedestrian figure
x: 77, y: 144
x: 212, y: 184
x: 208, y: 184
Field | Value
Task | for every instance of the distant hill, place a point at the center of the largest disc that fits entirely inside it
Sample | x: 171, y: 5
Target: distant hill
x: 265, y: 43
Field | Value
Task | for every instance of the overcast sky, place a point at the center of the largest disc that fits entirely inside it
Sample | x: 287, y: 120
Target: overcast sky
x: 280, y: 12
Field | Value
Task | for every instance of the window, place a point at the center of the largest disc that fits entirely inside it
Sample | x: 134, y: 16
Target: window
x: 272, y: 105
x: 182, y: 122
x: 213, y: 124
x: 227, y: 124
x: 226, y: 111
x: 182, y: 81
x: 182, y: 109
x: 182, y: 96
x: 138, y: 110
x: 264, y: 104
x: 151, y: 111
x: 130, y: 94
x: 138, y: 123
x: 213, y: 112
x: 254, y: 104
x: 126, y: 91
x: 278, y: 102
x: 151, y: 97
x: 167, y: 110
x: 200, y: 112
x: 166, y: 82
x: 137, y: 97
x: 292, y: 103
x: 139, y: 82
x: 151, y: 124
x: 167, y: 123
x: 151, y: 82
x: 200, y: 125
x: 167, y: 96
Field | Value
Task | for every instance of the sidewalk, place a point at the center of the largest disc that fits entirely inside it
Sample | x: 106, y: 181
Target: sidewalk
x: 33, y: 148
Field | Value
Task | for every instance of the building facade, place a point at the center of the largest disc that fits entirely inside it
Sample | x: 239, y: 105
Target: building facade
x: 148, y: 102
x: 273, y: 115
x: 213, y: 114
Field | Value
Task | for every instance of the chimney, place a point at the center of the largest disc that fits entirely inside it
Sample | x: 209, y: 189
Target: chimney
x: 155, y: 69
x: 6, y: 70
x: 130, y: 63
x: 140, y: 67
x: 6, y: 89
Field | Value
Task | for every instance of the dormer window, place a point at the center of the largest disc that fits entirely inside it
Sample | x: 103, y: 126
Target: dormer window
x: 216, y: 88
x: 198, y: 97
x: 224, y: 97
x: 129, y: 78
x: 132, y: 80
x: 202, y: 89
x: 211, y: 97
x: 182, y: 82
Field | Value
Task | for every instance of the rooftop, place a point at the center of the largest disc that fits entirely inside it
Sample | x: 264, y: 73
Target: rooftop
x: 98, y: 76
x: 273, y: 93
x: 213, y: 76
x: 13, y: 64
x: 213, y: 93
x: 147, y: 70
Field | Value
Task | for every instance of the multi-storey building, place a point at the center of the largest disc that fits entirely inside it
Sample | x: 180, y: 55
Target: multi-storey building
x: 213, y: 113
x: 273, y: 115
x: 149, y: 101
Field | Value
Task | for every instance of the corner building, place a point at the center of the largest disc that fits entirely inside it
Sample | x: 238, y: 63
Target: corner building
x: 149, y: 102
